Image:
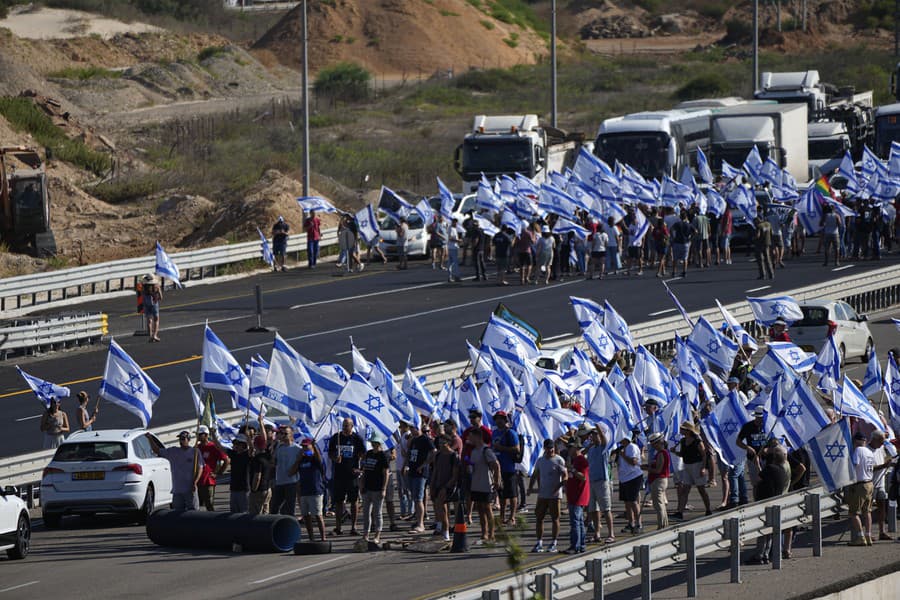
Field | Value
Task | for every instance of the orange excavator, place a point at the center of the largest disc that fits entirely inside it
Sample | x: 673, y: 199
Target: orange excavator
x: 24, y: 202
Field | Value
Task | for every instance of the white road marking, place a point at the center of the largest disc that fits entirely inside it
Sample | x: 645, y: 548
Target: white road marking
x: 842, y: 267
x: 661, y: 312
x: 347, y: 352
x: 674, y: 279
x: 369, y: 295
x: 434, y: 364
x: 759, y: 289
x: 28, y: 418
x: 292, y: 571
x: 15, y: 587
x: 556, y: 337
x: 473, y: 325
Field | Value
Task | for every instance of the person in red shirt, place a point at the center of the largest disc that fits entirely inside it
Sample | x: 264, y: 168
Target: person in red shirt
x: 312, y: 225
x: 778, y: 331
x: 578, y: 493
x: 214, y: 464
x: 658, y: 473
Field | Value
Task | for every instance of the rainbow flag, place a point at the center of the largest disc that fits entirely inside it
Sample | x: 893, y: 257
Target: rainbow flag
x: 824, y: 189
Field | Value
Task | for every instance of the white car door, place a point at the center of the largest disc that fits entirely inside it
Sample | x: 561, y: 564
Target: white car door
x: 9, y: 513
x: 162, y: 478
x: 856, y: 345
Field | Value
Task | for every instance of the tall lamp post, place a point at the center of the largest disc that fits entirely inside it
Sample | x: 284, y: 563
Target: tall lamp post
x: 304, y: 94
x: 553, y: 64
x: 755, y: 47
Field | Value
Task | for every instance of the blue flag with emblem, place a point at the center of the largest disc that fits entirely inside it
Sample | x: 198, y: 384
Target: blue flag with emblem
x: 219, y: 370
x: 165, y: 266
x: 706, y: 341
x: 767, y: 310
x: 44, y: 390
x: 592, y: 170
x: 722, y: 426
x: 359, y: 400
x: 126, y: 385
x: 367, y: 224
x: 600, y: 341
x: 831, y: 451
x: 554, y: 200
x: 848, y: 172
x: 265, y: 249
x: 801, y: 416
x: 793, y: 356
x: 853, y: 403
x: 486, y: 198
x: 509, y: 342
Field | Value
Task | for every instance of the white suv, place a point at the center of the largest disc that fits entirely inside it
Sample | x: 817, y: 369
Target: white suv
x: 15, y: 524
x: 824, y: 318
x: 105, y: 471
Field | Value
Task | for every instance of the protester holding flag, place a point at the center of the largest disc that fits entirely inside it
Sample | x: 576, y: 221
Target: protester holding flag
x: 215, y: 461
x: 239, y: 458
x: 54, y: 424
x: 279, y: 242
x: 86, y: 419
x: 152, y: 296
x: 859, y: 494
x: 346, y: 449
x: 184, y: 461
x: 312, y: 225
x: 310, y: 470
x: 284, y: 493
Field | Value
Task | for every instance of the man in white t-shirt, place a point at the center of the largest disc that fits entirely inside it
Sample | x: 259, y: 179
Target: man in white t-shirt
x: 550, y: 474
x: 598, y: 243
x: 613, y: 245
x: 631, y: 476
x: 859, y: 495
x: 879, y: 481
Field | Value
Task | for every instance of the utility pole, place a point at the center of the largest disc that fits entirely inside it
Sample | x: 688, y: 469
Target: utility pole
x: 755, y: 46
x: 304, y: 93
x: 553, y: 64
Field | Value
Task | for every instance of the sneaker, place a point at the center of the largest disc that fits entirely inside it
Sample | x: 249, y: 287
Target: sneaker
x: 361, y: 266
x: 627, y: 529
x: 677, y: 515
x: 637, y: 530
x: 446, y: 536
x: 552, y: 548
x: 539, y: 547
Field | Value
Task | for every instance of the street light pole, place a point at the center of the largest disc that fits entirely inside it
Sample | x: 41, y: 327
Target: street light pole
x: 755, y: 47
x: 553, y: 64
x: 304, y: 93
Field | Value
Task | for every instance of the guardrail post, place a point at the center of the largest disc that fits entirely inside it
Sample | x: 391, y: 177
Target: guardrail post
x: 642, y: 560
x: 892, y: 515
x: 733, y: 533
x: 814, y: 510
x: 594, y: 573
x: 490, y: 595
x: 687, y: 545
x: 543, y: 585
x: 773, y: 520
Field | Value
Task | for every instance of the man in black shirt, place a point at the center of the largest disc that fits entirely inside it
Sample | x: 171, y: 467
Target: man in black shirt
x: 502, y: 243
x: 420, y: 454
x: 798, y: 459
x: 752, y: 438
x: 346, y: 448
x: 260, y: 473
x: 375, y: 468
x: 239, y: 456
x: 774, y: 480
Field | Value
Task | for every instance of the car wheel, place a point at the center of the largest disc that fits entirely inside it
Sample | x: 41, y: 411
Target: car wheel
x: 868, y: 351
x: 843, y: 352
x: 52, y: 520
x: 23, y: 539
x: 147, y: 507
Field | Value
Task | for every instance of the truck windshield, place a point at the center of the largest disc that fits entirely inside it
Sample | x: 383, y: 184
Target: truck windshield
x: 28, y: 204
x: 646, y: 152
x: 887, y: 130
x: 826, y: 148
x: 509, y: 155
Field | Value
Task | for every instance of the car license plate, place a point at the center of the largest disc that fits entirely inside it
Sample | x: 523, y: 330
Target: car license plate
x: 88, y: 475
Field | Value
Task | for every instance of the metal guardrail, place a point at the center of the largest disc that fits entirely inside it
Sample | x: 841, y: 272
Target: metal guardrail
x: 728, y: 531
x: 43, y: 334
x: 44, y: 290
x: 866, y: 291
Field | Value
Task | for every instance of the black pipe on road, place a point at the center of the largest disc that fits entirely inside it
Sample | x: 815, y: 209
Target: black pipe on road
x: 221, y: 531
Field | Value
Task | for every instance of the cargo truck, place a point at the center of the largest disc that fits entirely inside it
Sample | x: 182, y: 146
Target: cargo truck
x: 25, y: 202
x: 777, y: 130
x: 887, y: 128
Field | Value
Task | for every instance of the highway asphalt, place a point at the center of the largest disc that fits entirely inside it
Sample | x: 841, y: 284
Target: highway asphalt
x: 390, y: 314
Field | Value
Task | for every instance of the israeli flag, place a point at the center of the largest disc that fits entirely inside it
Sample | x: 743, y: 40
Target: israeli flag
x: 556, y: 201
x: 423, y: 208
x: 391, y: 204
x: 740, y: 334
x: 165, y: 267
x: 801, y: 417
x: 871, y: 164
x: 368, y: 226
x: 649, y: 378
x: 259, y: 371
x: 493, y: 400
x: 617, y: 327
x: 448, y: 203
x: 582, y: 370
x: 316, y: 203
x: 828, y: 365
x: 600, y: 341
x: 486, y: 226
x: 482, y: 363
x: 614, y: 210
x: 894, y: 160
x: 44, y: 390
x: 674, y: 414
x: 586, y: 310
x: 219, y: 370
x: 703, y: 169
x: 674, y: 193
x: 638, y: 229
x: 892, y: 389
x: 715, y: 203
x: 532, y: 428
x: 831, y: 451
x: 361, y: 401
x: 584, y: 198
x: 722, y: 425
x: 198, y: 404
x: 266, y: 250
x: 506, y: 383
x: 848, y: 172
x: 770, y: 173
x: 854, y: 404
x: 485, y: 198
x: 753, y: 164
x: 766, y: 310
x: 328, y: 378
x: 809, y: 211
x: 416, y: 393
x: 288, y: 385
x: 793, y: 356
x: 706, y: 341
x: 872, y: 382
x: 508, y: 191
x: 527, y: 188
x: 690, y: 371
x: 564, y: 226
x: 742, y: 198
x: 592, y: 170
x: 448, y: 401
x: 360, y: 364
x: 469, y: 400
x: 766, y: 371
x: 399, y: 401
x: 509, y: 219
x: 731, y: 174
x: 509, y: 342
x: 126, y: 385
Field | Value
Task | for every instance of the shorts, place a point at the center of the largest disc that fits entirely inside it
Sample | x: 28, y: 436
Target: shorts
x: 502, y: 264
x: 508, y: 491
x: 631, y: 489
x: 480, y: 497
x: 725, y: 242
x: 691, y: 474
x: 601, y: 497
x: 417, y: 488
x: 151, y: 311
x: 345, y: 490
x: 598, y: 255
x: 546, y: 506
x: 311, y: 505
x: 680, y: 251
x: 279, y: 247
x: 391, y: 488
x: 859, y: 498
x: 880, y: 494
x: 634, y: 251
x: 525, y: 259
x: 777, y: 241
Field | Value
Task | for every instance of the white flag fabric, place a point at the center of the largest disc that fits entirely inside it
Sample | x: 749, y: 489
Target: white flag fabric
x: 853, y: 403
x: 509, y: 342
x: 360, y: 364
x: 801, y: 415
x: 722, y: 426
x: 265, y: 249
x: 831, y: 451
x: 792, y: 356
x: 126, y: 385
x: 316, y: 203
x: 892, y: 389
x: 368, y: 226
x: 219, y: 370
x: 259, y: 371
x: 609, y: 408
x: 416, y: 393
x: 753, y: 164
x: 447, y: 200
x: 766, y: 310
x: 740, y: 334
x: 828, y: 365
x: 600, y: 341
x: 872, y: 382
x: 703, y: 167
x: 617, y: 327
x: 706, y: 341
x: 288, y: 385
x: 165, y: 267
x: 362, y: 401
x: 195, y: 397
x: 586, y: 310
x: 44, y: 390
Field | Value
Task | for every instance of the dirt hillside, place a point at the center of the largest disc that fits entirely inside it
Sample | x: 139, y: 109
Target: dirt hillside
x: 399, y: 36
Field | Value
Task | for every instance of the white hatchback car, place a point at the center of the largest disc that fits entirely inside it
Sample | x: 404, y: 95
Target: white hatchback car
x: 823, y: 318
x: 105, y: 471
x: 416, y: 239
x: 15, y: 524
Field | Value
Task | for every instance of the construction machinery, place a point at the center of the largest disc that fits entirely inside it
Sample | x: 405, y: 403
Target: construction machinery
x: 25, y: 202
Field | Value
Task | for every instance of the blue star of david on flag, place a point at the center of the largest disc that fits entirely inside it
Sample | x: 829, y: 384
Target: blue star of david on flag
x: 509, y: 343
x: 795, y: 356
x: 135, y: 383
x: 895, y: 387
x: 46, y: 388
x: 307, y: 387
x: 374, y: 403
x: 234, y: 374
x: 794, y: 409
x: 494, y: 404
x: 713, y: 346
x: 603, y: 341
x: 730, y: 427
x: 834, y: 451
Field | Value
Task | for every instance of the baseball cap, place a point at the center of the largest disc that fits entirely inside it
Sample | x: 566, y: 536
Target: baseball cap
x: 759, y: 411
x: 474, y: 411
x: 203, y: 429
x: 185, y: 434
x: 734, y: 380
x: 780, y: 321
x: 859, y: 435
x: 500, y: 413
x: 306, y: 442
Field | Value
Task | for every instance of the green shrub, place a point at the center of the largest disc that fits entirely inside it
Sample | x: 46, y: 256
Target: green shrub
x: 738, y: 31
x: 212, y: 51
x: 346, y: 80
x: 708, y: 85
x: 448, y: 13
x: 127, y: 189
x: 85, y: 73
x: 489, y: 25
x: 874, y: 14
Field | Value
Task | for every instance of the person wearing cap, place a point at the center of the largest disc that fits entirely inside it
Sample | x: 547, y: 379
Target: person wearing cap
x: 600, y: 484
x: 543, y: 251
x: 310, y: 470
x: 421, y: 451
x: 375, y: 468
x: 752, y: 438
x: 858, y: 495
x: 453, y: 251
x: 778, y: 332
x: 279, y: 243
x: 54, y: 424
x: 215, y: 461
x: 261, y: 472
x: 658, y: 473
x: 284, y: 492
x: 506, y: 447
x: 485, y: 481
x: 346, y: 448
x: 239, y: 458
x: 628, y: 463
x: 692, y: 452
x: 184, y: 462
x: 578, y: 494
x: 151, y: 296
x: 550, y: 475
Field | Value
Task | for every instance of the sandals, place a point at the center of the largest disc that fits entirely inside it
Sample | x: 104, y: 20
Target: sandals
x: 609, y: 540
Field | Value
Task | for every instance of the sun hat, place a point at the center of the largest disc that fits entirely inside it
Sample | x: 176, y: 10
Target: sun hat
x: 203, y: 429
x: 148, y: 278
x: 655, y: 437
x: 759, y: 411
x: 689, y: 427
